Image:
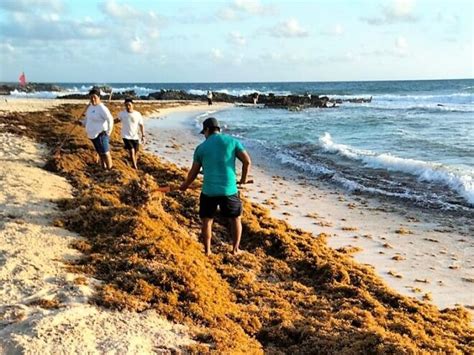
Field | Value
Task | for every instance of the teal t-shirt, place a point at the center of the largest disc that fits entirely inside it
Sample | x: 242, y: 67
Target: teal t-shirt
x: 217, y: 157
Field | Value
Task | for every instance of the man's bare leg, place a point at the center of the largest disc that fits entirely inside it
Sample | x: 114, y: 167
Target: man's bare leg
x: 236, y: 232
x: 206, y: 232
x: 106, y: 160
x: 133, y: 158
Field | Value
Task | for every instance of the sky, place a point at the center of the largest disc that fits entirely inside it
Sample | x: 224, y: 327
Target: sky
x: 235, y: 40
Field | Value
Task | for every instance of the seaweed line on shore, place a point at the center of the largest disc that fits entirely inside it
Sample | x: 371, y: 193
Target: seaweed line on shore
x: 287, y: 292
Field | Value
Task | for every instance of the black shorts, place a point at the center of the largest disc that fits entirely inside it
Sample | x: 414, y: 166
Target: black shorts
x: 131, y: 144
x: 230, y: 206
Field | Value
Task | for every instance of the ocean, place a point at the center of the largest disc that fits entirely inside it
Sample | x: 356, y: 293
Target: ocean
x: 413, y: 142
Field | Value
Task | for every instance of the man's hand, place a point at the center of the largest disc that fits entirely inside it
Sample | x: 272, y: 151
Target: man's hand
x: 183, y: 187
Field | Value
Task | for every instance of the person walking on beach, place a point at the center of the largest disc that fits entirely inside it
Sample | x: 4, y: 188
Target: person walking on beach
x: 216, y: 155
x: 209, y: 97
x: 255, y: 96
x: 99, y: 124
x: 132, y: 130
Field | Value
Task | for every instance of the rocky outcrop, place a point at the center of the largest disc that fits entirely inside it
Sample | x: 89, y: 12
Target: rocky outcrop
x: 105, y: 95
x: 291, y: 102
x: 6, y: 89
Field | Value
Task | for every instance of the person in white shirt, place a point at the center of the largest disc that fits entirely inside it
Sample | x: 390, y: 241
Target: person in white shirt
x: 132, y: 130
x: 99, y: 124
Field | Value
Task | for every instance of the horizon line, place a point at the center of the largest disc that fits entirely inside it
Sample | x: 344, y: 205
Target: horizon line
x: 229, y: 82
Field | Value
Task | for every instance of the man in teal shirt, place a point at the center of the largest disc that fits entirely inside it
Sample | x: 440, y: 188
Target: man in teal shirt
x: 216, y: 155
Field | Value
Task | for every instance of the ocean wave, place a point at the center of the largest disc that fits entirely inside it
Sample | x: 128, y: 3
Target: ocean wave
x: 316, y: 170
x: 458, y: 180
x: 406, y: 106
x: 352, y: 185
x: 35, y: 95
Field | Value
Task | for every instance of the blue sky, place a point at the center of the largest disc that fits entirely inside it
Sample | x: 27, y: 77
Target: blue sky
x: 235, y: 40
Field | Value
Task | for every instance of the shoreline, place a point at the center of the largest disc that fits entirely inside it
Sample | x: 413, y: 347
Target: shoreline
x: 416, y: 256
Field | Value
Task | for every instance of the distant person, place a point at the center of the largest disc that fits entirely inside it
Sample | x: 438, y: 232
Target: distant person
x: 216, y: 155
x: 209, y: 97
x: 255, y: 97
x: 132, y: 130
x: 99, y: 124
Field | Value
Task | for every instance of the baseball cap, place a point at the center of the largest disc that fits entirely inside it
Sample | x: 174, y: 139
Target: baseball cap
x: 210, y: 122
x: 128, y: 99
x: 94, y: 91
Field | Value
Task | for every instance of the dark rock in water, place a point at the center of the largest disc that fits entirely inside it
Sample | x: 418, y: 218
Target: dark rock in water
x: 291, y: 102
x: 175, y: 95
x: 105, y: 95
x: 6, y: 89
x: 74, y: 96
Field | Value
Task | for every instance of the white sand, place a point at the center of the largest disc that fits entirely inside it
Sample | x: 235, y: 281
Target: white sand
x: 434, y: 262
x: 32, y: 256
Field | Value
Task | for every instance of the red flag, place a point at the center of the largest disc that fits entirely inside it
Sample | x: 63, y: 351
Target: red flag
x: 22, y: 79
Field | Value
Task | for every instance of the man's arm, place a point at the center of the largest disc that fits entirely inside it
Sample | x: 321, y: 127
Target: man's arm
x: 243, y: 156
x: 110, y: 120
x: 192, y: 175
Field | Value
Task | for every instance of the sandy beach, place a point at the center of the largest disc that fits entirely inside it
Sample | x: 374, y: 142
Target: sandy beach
x: 92, y: 262
x: 43, y: 307
x: 415, y: 254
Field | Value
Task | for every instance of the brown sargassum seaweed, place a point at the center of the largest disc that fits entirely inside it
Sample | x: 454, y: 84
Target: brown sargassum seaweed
x: 288, y: 292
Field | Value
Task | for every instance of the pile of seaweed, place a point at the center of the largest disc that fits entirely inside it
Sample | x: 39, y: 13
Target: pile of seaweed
x: 286, y: 292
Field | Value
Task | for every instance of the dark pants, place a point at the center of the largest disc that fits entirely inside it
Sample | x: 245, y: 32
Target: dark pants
x: 230, y: 206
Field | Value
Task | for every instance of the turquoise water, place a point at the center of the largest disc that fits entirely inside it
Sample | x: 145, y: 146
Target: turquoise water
x: 414, y: 141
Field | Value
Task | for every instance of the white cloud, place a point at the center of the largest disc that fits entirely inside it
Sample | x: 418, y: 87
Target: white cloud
x: 448, y: 18
x: 137, y: 46
x: 30, y: 26
x: 237, y: 39
x: 336, y: 30
x: 401, y: 47
x: 119, y: 11
x: 227, y: 14
x: 238, y: 59
x: 253, y: 7
x: 154, y: 34
x: 6, y: 48
x: 289, y: 28
x: 401, y: 9
x: 128, y: 15
x: 216, y: 54
x: 239, y: 9
x: 401, y: 43
x: 31, y: 5
x: 397, y: 11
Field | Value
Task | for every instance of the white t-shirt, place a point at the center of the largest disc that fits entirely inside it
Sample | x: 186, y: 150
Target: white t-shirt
x: 130, y: 122
x: 98, y: 119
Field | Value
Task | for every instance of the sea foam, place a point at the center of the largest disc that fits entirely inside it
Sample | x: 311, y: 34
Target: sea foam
x: 459, y: 180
